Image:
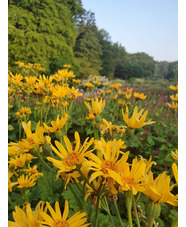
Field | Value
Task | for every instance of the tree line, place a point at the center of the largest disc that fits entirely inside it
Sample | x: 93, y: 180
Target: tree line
x: 58, y: 32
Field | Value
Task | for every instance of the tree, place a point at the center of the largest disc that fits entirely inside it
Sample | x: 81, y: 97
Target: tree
x: 173, y: 70
x: 40, y: 31
x: 106, y: 57
x: 162, y: 69
x: 147, y: 63
x: 87, y: 47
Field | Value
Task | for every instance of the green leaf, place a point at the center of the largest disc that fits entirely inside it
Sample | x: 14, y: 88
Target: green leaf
x: 150, y: 140
x: 10, y: 128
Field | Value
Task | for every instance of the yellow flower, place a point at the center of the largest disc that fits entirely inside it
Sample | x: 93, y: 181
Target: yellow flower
x: 106, y: 84
x: 128, y: 95
x: 18, y: 161
x: 33, y: 171
x: 106, y: 159
x: 175, y: 171
x: 55, y: 219
x: 120, y: 102
x: 60, y: 91
x: 174, y: 98
x: 26, y: 110
x: 158, y: 190
x: 78, y: 81
x: 173, y: 105
x: 63, y: 74
x: 139, y: 95
x: 33, y: 139
x: 174, y: 154
x: 45, y: 80
x: 97, y: 106
x: 17, y: 80
x: 88, y: 84
x: 67, y: 66
x: 116, y: 85
x: 26, y: 181
x: 26, y: 218
x: 128, y: 178
x: 115, y: 97
x: 75, y: 92
x: 72, y: 156
x: 109, y: 127
x: 174, y: 88
x: 30, y: 80
x: 57, y: 125
x: 137, y: 120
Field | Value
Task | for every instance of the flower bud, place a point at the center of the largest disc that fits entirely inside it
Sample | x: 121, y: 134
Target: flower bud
x: 153, y: 210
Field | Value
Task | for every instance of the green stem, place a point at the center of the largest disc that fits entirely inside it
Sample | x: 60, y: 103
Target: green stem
x: 85, y: 179
x: 135, y: 211
x: 118, y: 214
x: 106, y: 208
x: 97, y: 210
x: 129, y: 204
x: 75, y: 195
x: 20, y: 127
x: 44, y: 163
x: 80, y: 189
x: 10, y: 202
x: 97, y: 204
x: 150, y: 222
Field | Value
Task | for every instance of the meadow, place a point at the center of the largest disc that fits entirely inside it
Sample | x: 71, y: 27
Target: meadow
x: 92, y: 152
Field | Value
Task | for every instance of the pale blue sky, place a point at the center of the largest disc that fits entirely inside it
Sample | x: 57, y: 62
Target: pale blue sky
x: 149, y: 26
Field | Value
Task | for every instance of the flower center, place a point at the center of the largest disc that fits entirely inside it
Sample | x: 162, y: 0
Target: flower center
x: 30, y: 140
x: 72, y: 159
x: 60, y: 223
x: 108, y: 164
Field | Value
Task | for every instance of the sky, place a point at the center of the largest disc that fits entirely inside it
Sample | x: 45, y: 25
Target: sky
x: 149, y: 26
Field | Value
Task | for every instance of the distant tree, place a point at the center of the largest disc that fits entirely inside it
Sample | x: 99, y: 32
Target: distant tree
x: 173, y: 70
x: 162, y: 69
x: 87, y: 47
x: 106, y: 57
x: 40, y: 31
x: 146, y: 62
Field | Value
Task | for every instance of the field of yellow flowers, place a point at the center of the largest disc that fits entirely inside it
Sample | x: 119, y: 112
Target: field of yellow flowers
x: 90, y: 153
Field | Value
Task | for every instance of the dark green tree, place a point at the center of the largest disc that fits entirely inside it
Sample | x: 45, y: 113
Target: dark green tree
x: 87, y: 47
x: 173, y: 70
x: 40, y: 31
x: 107, y: 52
x: 146, y: 62
x: 162, y: 69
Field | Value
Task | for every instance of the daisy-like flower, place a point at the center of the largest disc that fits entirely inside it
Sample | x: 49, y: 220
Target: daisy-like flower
x: 33, y: 139
x: 18, y: 160
x: 97, y: 107
x: 137, y: 120
x: 158, y: 190
x: 129, y: 178
x: 26, y: 110
x: 78, y: 81
x: 26, y: 181
x: 107, y: 158
x: 33, y: 171
x: 174, y: 88
x: 56, y: 219
x: 121, y: 102
x: 173, y: 105
x: 88, y: 84
x: 60, y: 91
x: 27, y: 218
x: 72, y: 156
x: 57, y: 125
x: 139, y: 95
x: 116, y: 85
x: 109, y: 127
x: 174, y: 97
